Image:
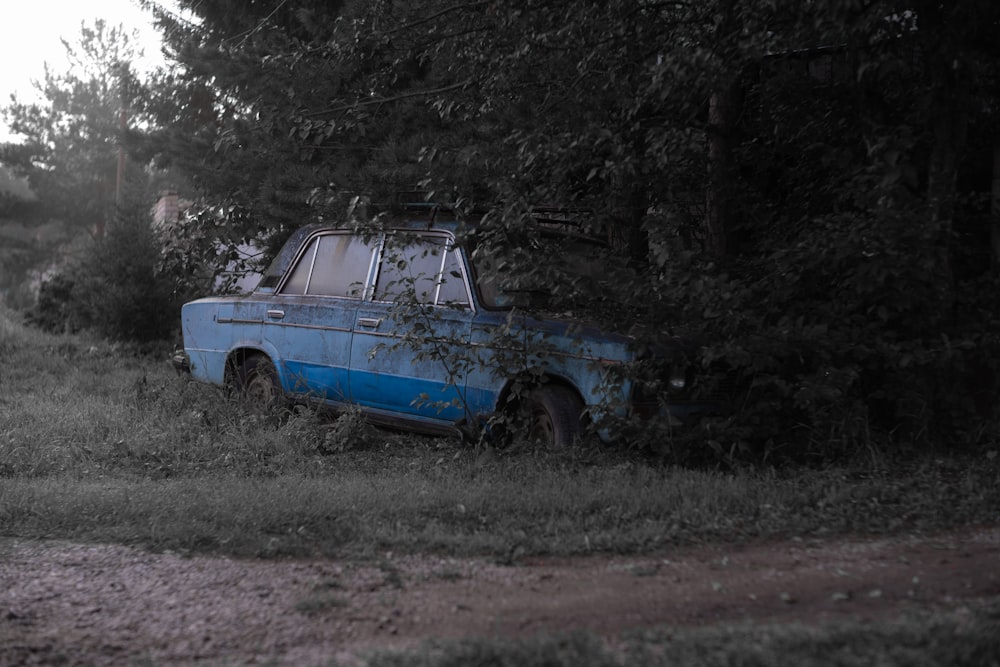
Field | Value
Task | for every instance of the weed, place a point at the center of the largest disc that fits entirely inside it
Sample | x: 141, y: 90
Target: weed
x: 393, y: 577
x: 448, y: 574
x: 320, y: 602
x: 348, y: 432
x: 329, y: 584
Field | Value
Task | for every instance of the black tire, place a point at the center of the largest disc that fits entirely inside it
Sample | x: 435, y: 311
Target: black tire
x: 257, y: 385
x: 554, y: 417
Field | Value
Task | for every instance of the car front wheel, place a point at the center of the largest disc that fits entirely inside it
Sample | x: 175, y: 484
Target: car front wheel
x: 257, y: 384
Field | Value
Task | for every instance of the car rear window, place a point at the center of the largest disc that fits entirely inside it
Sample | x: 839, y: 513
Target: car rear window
x: 423, y: 268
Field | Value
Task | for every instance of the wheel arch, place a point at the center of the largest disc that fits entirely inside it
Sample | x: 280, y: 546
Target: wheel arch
x: 507, y: 401
x: 239, y: 355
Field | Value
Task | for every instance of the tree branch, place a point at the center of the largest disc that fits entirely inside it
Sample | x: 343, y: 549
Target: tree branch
x: 394, y: 98
x: 447, y: 10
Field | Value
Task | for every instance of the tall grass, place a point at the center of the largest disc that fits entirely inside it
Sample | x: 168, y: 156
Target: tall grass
x: 100, y: 442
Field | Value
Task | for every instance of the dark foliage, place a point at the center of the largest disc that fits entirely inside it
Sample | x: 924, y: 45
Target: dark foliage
x: 114, y: 287
x: 803, y: 189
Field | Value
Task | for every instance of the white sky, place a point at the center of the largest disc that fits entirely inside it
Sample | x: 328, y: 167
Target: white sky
x: 30, y: 32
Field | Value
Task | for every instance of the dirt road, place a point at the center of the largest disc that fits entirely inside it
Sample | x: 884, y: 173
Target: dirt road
x: 95, y: 604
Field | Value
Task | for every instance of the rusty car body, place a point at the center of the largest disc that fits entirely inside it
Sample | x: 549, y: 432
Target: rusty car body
x: 404, y: 324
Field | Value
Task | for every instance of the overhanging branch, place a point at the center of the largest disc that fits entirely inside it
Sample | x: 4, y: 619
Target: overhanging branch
x: 389, y: 100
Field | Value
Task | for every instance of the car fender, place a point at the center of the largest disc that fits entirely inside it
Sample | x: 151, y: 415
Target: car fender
x: 248, y: 347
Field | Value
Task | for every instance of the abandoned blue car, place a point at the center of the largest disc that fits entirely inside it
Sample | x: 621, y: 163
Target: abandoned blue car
x: 416, y: 330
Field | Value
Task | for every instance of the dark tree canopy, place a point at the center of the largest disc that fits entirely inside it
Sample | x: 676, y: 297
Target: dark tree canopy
x: 623, y: 107
x: 805, y: 185
x: 806, y: 188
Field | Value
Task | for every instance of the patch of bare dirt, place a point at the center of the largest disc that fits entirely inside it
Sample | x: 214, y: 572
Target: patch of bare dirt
x: 78, y: 604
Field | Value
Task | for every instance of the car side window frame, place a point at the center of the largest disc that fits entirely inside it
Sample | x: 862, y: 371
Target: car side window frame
x: 455, y: 251
x: 312, y: 245
x: 450, y: 248
x: 306, y: 253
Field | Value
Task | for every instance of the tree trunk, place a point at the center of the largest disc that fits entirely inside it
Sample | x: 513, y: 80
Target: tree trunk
x: 995, y: 207
x: 723, y: 110
x: 638, y: 237
x: 949, y: 116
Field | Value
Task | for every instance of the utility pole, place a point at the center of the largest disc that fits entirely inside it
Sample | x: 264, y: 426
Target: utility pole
x: 122, y: 128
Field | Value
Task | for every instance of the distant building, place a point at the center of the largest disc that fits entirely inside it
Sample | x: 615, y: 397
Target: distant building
x: 168, y: 209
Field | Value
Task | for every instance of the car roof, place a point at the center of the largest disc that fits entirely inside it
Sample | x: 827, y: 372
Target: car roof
x: 413, y: 217
x: 421, y: 221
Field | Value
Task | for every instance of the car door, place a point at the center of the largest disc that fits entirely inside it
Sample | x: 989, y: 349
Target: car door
x: 410, y: 347
x: 310, y: 320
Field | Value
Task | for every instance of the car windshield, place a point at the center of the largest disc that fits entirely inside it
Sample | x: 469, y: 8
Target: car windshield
x: 283, y: 259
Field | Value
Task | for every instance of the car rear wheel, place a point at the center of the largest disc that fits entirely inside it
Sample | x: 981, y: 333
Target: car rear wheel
x: 553, y: 416
x: 258, y: 386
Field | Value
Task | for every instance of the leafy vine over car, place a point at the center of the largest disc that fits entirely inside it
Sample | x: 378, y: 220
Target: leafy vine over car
x: 420, y: 328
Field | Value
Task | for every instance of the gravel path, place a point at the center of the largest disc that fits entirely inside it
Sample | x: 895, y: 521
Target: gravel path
x: 76, y: 604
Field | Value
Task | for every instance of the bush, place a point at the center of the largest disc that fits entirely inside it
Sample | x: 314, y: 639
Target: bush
x: 848, y: 339
x: 113, y: 289
x: 55, y: 310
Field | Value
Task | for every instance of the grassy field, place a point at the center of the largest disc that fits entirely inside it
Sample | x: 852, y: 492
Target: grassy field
x: 101, y: 443
x: 922, y: 640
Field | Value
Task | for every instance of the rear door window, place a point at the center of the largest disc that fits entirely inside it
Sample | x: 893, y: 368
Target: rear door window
x: 421, y: 268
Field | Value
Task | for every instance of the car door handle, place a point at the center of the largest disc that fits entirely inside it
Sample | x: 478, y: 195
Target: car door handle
x: 276, y: 314
x: 369, y: 322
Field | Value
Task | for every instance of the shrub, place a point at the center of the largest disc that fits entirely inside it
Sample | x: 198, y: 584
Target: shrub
x: 847, y: 338
x: 113, y: 288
